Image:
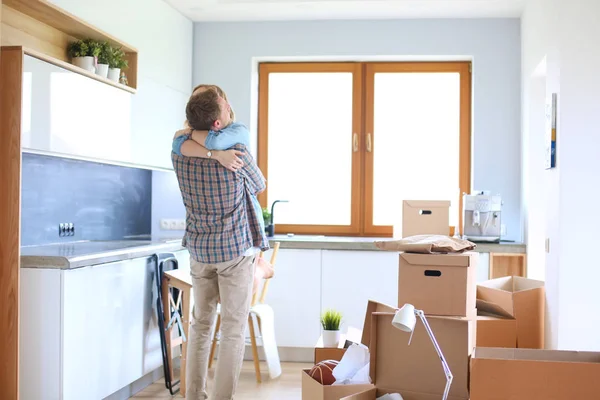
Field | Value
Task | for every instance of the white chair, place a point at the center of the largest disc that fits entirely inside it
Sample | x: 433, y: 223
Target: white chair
x: 263, y: 315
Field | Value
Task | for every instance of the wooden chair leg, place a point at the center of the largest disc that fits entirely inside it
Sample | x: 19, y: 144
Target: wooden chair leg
x: 254, y: 349
x: 185, y: 320
x: 214, y: 342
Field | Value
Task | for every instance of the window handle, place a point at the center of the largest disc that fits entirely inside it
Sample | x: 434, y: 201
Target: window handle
x: 355, y: 142
x: 369, y: 146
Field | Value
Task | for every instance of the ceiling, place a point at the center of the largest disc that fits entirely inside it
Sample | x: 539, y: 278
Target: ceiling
x: 285, y: 10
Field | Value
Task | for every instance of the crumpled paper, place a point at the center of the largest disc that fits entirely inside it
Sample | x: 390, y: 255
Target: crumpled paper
x: 353, y: 368
x: 392, y: 396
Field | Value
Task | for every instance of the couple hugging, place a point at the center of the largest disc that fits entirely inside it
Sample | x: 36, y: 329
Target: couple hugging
x: 219, y: 181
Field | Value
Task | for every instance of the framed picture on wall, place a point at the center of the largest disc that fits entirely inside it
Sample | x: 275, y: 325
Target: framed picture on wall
x: 550, y: 137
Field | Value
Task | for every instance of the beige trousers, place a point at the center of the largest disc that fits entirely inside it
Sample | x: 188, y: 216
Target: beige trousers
x: 231, y: 282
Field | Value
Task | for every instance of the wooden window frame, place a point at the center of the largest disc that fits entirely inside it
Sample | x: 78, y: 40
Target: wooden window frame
x: 362, y: 125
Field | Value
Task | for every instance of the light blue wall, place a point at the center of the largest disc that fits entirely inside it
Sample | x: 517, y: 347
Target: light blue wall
x: 224, y: 54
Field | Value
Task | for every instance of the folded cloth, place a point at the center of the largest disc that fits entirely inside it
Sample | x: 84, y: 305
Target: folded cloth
x: 392, y: 396
x: 427, y: 244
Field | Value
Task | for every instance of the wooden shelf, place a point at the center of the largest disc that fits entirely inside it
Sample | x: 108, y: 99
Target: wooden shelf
x: 47, y: 30
x: 76, y: 69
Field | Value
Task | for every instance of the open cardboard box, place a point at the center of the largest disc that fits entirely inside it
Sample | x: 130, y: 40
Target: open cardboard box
x: 439, y: 284
x: 519, y: 298
x: 531, y: 374
x: 313, y: 390
x: 415, y: 370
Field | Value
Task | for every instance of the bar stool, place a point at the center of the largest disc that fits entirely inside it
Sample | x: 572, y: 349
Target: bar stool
x: 180, y: 280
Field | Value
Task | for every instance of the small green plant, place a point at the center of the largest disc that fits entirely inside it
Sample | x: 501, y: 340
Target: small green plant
x: 266, y: 215
x: 331, y: 320
x: 105, y: 53
x: 77, y: 49
x: 117, y: 59
x: 94, y: 47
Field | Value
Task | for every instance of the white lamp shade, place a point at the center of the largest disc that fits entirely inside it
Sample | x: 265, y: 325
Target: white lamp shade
x: 405, y: 319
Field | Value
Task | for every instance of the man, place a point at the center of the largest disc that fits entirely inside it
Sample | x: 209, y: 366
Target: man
x: 223, y: 236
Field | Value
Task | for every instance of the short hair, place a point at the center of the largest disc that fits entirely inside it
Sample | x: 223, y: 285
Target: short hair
x: 202, y: 110
x: 220, y: 92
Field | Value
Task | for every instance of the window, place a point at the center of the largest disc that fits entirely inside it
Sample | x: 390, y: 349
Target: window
x: 345, y: 143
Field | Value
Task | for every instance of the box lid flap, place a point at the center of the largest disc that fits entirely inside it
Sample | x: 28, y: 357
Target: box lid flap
x: 372, y: 307
x: 540, y: 355
x: 440, y: 260
x: 427, y: 203
x: 396, y: 365
x: 492, y: 308
x: 366, y: 395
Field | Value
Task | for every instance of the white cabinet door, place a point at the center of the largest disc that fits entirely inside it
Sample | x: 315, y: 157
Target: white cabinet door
x: 103, y: 346
x: 351, y: 278
x: 69, y: 114
x: 295, y: 295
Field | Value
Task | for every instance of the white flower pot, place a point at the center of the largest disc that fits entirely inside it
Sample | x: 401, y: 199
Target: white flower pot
x: 331, y: 338
x: 102, y: 70
x: 114, y: 73
x: 86, y: 63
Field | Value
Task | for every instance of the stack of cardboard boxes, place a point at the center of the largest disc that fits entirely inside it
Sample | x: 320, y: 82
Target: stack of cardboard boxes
x: 490, y: 334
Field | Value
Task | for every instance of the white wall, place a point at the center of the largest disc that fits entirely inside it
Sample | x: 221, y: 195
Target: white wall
x: 224, y: 52
x: 572, y: 270
x: 163, y: 38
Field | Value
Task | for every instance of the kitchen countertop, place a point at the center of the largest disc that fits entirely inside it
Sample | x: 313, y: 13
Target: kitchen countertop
x: 87, y: 253
x: 320, y: 242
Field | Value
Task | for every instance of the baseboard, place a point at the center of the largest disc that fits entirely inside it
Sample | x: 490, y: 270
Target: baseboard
x: 286, y: 354
x: 137, y: 386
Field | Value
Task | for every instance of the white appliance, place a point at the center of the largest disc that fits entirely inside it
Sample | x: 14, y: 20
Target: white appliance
x: 482, y: 216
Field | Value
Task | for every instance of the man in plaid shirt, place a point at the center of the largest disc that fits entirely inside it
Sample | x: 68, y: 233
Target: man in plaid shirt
x: 223, y: 236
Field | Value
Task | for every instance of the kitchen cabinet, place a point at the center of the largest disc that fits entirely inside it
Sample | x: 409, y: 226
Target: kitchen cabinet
x: 88, y: 332
x: 295, y: 296
x: 350, y: 279
x: 69, y: 114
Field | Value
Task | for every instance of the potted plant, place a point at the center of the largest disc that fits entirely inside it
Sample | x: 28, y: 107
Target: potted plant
x: 103, y: 59
x: 78, y: 51
x: 116, y: 63
x: 267, y: 218
x: 330, y: 320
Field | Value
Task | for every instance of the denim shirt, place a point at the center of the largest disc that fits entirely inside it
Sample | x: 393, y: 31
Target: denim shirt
x: 224, y: 139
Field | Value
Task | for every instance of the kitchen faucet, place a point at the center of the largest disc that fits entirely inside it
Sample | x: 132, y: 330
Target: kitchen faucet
x: 270, y: 229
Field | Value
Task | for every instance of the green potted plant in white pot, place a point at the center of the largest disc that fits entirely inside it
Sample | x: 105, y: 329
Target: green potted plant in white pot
x: 331, y: 320
x: 103, y: 59
x: 79, y: 53
x: 116, y: 63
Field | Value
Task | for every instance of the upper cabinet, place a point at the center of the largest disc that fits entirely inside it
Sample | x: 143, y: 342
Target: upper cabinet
x: 44, y: 28
x: 68, y: 114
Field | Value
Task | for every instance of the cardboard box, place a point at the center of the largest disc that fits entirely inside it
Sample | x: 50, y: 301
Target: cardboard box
x: 313, y: 390
x: 495, y: 331
x: 519, y: 298
x: 528, y: 374
x: 423, y: 217
x: 439, y: 284
x: 415, y: 370
x: 373, y: 307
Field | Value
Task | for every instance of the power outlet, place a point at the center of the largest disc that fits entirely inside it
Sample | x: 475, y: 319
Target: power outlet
x: 168, y: 224
x: 66, y: 229
x: 547, y: 245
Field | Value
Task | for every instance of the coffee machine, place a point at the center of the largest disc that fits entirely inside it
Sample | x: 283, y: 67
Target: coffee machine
x: 482, y: 216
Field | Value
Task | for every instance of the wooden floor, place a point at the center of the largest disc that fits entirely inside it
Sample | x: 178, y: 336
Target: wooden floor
x: 286, y: 387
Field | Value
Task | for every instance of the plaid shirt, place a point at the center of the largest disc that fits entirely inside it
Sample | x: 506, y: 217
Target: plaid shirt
x: 221, y: 222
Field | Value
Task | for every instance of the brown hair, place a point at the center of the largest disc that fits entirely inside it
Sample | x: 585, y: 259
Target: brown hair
x: 202, y: 110
x: 219, y: 91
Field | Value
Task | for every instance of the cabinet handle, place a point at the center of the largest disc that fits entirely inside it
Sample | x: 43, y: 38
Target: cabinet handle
x: 369, y: 147
x: 355, y: 142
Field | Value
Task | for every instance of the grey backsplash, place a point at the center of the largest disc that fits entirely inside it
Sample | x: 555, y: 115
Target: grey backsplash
x: 105, y: 202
